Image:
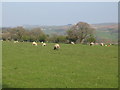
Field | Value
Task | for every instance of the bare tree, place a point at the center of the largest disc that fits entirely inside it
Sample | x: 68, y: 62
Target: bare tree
x: 80, y: 31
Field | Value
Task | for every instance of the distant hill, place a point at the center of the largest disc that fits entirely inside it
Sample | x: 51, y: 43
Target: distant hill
x: 106, y: 26
x: 107, y: 31
x: 61, y: 30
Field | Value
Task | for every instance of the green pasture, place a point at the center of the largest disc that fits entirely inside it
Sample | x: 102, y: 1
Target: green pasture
x: 73, y: 66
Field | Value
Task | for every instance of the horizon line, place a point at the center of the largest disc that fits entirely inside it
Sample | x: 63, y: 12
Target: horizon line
x: 59, y: 25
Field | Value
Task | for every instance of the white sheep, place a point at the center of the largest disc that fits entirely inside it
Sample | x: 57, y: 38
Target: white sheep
x: 44, y: 44
x: 101, y: 44
x: 91, y: 44
x: 15, y: 41
x: 34, y: 43
x: 56, y: 46
x: 72, y: 43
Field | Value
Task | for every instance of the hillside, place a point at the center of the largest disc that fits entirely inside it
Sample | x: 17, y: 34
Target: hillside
x: 106, y: 31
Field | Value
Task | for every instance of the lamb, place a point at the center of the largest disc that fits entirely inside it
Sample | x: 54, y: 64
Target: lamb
x: 44, y: 44
x: 72, y: 43
x: 91, y: 44
x: 34, y: 43
x: 15, y: 41
x: 56, y: 46
x: 101, y: 44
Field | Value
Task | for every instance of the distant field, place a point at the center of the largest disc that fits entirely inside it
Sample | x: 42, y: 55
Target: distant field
x: 73, y: 66
x: 107, y: 35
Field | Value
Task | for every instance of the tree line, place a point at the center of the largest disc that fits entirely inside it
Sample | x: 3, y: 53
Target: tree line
x: 79, y: 33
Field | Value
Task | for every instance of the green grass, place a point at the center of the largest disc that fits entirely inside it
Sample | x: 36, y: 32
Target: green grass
x: 107, y: 35
x: 73, y: 66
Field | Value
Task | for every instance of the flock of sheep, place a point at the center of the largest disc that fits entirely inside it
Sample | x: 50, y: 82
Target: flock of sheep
x: 92, y: 43
x: 102, y: 44
x: 57, y: 46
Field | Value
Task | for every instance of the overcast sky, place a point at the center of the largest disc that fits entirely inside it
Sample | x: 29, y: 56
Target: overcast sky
x: 59, y: 13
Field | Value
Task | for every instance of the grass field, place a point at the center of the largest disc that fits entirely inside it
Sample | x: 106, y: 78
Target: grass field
x: 73, y: 66
x: 107, y: 35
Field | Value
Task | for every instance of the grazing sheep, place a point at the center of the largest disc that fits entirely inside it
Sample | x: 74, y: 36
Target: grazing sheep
x: 56, y: 46
x: 44, y: 44
x: 15, y: 41
x: 34, y: 43
x: 72, y: 43
x: 101, y: 44
x: 91, y: 44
